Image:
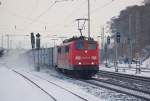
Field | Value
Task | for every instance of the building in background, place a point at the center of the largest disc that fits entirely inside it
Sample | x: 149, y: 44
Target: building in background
x: 146, y: 1
x: 133, y: 24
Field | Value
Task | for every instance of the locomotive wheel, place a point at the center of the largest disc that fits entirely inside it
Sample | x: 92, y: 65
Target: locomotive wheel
x: 86, y: 75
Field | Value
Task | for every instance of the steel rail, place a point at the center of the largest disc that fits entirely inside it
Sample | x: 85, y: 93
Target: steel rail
x: 128, y: 79
x: 50, y: 83
x: 139, y: 78
x: 118, y: 88
x: 34, y: 84
x: 61, y: 88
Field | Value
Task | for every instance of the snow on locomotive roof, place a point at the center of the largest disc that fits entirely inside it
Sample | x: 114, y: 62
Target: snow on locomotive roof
x: 74, y: 38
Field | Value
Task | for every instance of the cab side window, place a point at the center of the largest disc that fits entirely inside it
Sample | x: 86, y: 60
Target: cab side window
x: 66, y: 49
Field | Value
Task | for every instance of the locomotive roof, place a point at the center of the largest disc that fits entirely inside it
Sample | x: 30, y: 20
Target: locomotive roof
x: 78, y: 38
x: 73, y: 39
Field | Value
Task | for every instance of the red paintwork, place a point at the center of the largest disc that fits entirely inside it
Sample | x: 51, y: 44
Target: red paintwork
x: 69, y: 59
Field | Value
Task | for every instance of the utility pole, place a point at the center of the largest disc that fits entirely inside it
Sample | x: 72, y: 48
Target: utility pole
x: 116, y: 57
x: 107, y: 51
x: 137, y: 31
x: 99, y: 39
x: 7, y: 41
x: 117, y: 42
x: 102, y: 37
x: 2, y: 42
x: 54, y: 41
x: 102, y: 43
x: 89, y: 19
x: 130, y: 42
x: 38, y: 42
x: 11, y: 44
x: 45, y: 28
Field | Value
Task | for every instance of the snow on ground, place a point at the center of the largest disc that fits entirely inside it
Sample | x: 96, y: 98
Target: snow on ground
x: 124, y: 68
x: 15, y: 88
x: 147, y: 63
x: 60, y: 94
x: 77, y: 85
x: 18, y: 60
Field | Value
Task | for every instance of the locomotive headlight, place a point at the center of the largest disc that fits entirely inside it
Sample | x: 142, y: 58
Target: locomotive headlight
x: 78, y: 58
x: 92, y: 63
x: 79, y: 63
x: 93, y: 57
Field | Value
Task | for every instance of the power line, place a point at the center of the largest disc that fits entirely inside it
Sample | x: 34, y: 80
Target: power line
x: 73, y: 11
x: 101, y: 7
x: 20, y: 16
x: 45, y: 11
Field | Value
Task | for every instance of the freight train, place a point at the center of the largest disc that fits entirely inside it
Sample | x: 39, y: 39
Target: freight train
x: 77, y: 56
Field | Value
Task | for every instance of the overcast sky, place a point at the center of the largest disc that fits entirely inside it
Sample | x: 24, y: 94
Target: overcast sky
x: 52, y: 18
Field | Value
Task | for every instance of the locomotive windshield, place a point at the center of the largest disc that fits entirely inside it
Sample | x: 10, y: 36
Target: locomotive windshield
x: 91, y: 46
x: 80, y: 46
x: 85, y: 46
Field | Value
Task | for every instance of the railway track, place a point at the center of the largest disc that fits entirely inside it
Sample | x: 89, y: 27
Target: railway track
x: 103, y: 81
x: 45, y: 91
x: 133, y: 82
x: 112, y: 74
x: 120, y: 89
x: 25, y: 77
x: 94, y: 81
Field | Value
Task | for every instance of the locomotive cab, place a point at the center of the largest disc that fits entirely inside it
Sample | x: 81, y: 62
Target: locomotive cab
x: 80, y: 56
x: 86, y: 56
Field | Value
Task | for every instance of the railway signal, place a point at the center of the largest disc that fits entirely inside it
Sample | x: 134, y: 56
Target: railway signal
x: 107, y: 50
x: 38, y: 41
x: 108, y: 40
x: 38, y: 47
x: 118, y: 37
x: 116, y: 51
x: 32, y: 40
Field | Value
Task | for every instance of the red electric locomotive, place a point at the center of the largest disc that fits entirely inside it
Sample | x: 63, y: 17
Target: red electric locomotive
x: 79, y: 56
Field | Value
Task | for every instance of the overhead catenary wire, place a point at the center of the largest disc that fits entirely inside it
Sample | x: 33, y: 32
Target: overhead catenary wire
x: 40, y: 15
x: 74, y: 10
x: 101, y: 7
x: 36, y: 19
x: 105, y: 5
x: 93, y: 11
x: 28, y: 18
x: 22, y: 17
x: 45, y: 11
